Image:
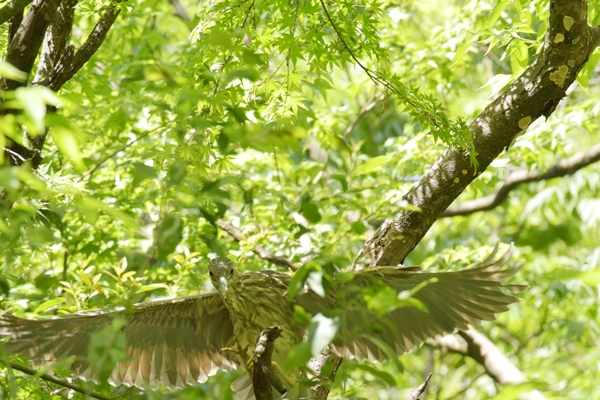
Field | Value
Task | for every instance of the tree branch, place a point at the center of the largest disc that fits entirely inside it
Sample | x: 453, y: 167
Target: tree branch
x: 474, y: 344
x: 418, y: 391
x: 56, y: 40
x: 180, y: 11
x: 264, y: 377
x: 25, y: 44
x: 12, y: 9
x: 316, y: 364
x: 258, y: 250
x: 53, y: 379
x: 89, y: 47
x: 534, y: 94
x: 563, y: 167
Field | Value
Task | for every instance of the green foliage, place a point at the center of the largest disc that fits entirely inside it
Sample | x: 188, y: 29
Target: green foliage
x: 301, y: 133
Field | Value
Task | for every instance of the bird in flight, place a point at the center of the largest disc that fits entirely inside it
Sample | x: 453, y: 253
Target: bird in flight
x: 183, y: 341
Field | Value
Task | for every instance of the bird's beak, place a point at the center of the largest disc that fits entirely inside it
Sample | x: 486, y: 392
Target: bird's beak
x: 223, y: 286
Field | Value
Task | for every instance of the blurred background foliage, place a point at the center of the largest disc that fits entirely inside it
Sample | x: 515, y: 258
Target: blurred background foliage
x: 255, y: 113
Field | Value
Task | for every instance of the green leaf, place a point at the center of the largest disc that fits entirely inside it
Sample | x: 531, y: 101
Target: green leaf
x: 586, y: 72
x: 34, y: 106
x: 467, y: 41
x: 220, y: 38
x: 141, y: 172
x: 358, y: 227
x: 519, y: 57
x: 67, y: 143
x: 85, y: 279
x: 49, y: 304
x: 490, y: 19
x: 297, y: 283
x: 8, y: 71
x: 384, y: 376
x: 168, y: 235
x: 371, y: 165
x: 154, y: 286
x: 310, y: 210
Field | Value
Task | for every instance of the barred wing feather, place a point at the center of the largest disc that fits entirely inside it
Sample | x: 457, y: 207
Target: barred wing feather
x: 173, y: 342
x: 453, y: 300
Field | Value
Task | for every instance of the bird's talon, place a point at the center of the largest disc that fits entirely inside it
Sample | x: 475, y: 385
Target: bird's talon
x: 230, y: 349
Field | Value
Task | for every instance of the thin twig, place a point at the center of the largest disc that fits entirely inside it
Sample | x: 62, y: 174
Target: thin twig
x: 368, y: 106
x: 374, y: 76
x: 564, y: 167
x: 418, y: 391
x: 114, y: 153
x: 258, y: 250
x: 53, y: 379
x: 180, y: 11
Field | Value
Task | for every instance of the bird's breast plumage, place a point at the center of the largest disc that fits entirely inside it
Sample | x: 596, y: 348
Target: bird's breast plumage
x: 256, y: 301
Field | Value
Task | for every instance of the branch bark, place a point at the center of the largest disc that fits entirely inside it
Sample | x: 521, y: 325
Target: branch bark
x: 476, y: 345
x: 563, y: 167
x: 58, y: 60
x: 567, y: 46
x: 237, y: 235
x: 264, y: 378
x: 418, y: 391
x: 12, y: 9
x: 89, y: 47
x: 25, y: 45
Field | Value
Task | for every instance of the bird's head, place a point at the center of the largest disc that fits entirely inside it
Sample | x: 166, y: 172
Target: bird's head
x: 221, y: 270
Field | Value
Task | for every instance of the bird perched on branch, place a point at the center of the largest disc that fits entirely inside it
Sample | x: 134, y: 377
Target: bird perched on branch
x: 184, y: 341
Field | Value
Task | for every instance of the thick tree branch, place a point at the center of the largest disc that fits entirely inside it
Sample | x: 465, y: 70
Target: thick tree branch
x: 567, y: 46
x: 25, y: 45
x: 264, y: 377
x: 53, y: 379
x: 316, y: 364
x: 56, y: 40
x: 89, y: 47
x: 481, y: 349
x: 258, y: 250
x: 58, y: 62
x: 11, y: 9
x: 563, y: 167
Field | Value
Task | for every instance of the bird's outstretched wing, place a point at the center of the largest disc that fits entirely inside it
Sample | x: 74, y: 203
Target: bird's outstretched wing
x: 452, y: 300
x: 172, y: 342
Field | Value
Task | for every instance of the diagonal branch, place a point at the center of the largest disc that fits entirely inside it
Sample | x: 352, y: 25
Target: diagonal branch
x: 179, y: 11
x: 237, y: 235
x: 53, y: 379
x: 56, y: 40
x: 12, y: 9
x: 564, y: 167
x: 476, y: 345
x: 89, y: 47
x: 25, y: 44
x: 567, y: 47
x: 417, y: 392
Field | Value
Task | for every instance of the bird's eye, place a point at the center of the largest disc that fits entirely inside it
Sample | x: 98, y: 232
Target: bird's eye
x: 231, y: 272
x: 210, y: 273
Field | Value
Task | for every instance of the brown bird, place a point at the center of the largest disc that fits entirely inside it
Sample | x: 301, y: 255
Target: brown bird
x: 180, y: 342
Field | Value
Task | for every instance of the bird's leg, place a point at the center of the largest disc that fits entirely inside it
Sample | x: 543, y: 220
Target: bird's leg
x: 241, y: 351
